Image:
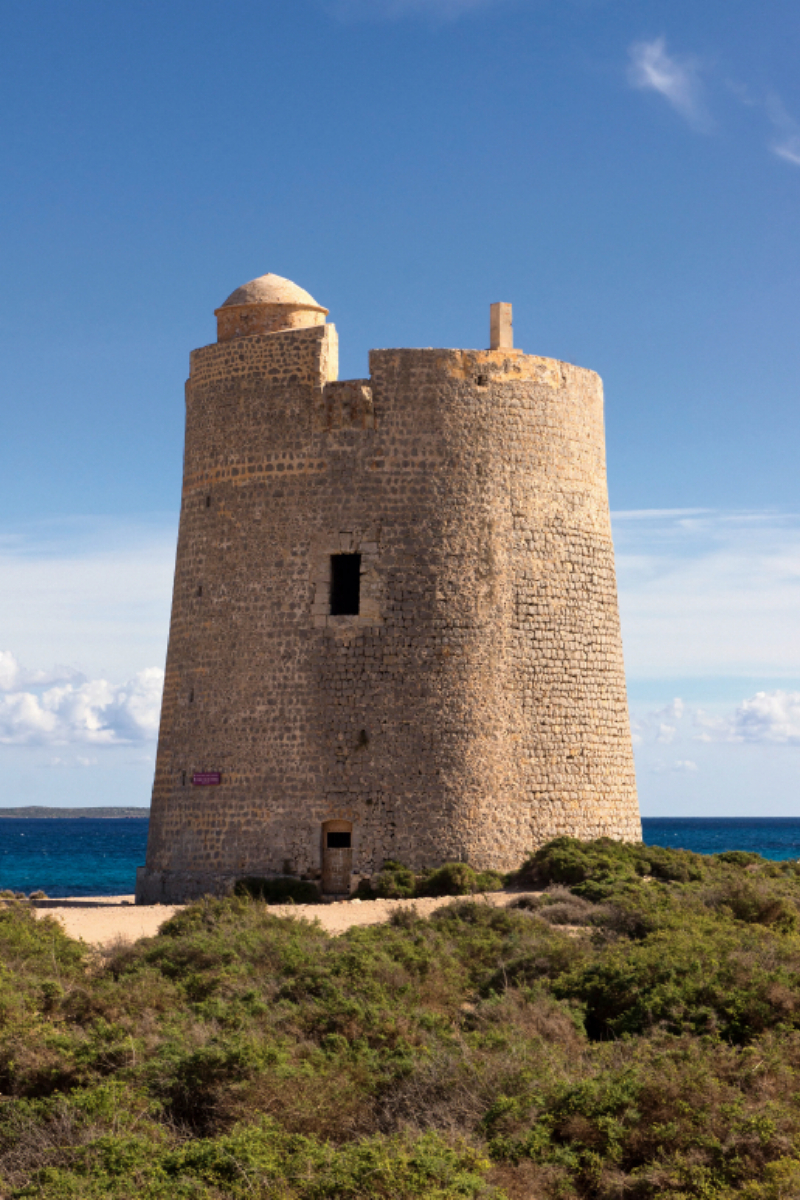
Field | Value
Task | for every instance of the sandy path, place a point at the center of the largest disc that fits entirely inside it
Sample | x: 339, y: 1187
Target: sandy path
x: 102, y: 919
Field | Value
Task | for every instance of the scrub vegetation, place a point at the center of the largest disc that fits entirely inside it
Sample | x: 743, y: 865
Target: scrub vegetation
x: 394, y: 882
x: 633, y: 1030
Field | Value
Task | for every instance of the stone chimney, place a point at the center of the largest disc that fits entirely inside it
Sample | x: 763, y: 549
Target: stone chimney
x: 501, y: 330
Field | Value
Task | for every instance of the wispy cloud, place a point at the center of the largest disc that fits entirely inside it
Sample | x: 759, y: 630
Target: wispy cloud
x: 93, y: 712
x: 683, y: 766
x: 90, y: 592
x: 13, y: 676
x: 678, y: 79
x: 709, y: 594
x: 80, y: 761
x: 787, y: 143
x: 768, y: 718
x: 653, y: 68
x: 659, y: 725
x: 381, y: 10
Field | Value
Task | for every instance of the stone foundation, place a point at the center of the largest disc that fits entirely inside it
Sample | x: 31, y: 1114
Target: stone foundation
x: 178, y: 887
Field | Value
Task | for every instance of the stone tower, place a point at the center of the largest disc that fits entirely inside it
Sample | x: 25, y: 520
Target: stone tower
x: 394, y: 627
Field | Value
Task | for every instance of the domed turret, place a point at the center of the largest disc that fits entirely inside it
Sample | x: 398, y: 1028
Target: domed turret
x: 268, y: 304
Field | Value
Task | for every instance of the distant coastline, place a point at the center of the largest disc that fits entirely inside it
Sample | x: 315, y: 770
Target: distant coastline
x: 41, y: 810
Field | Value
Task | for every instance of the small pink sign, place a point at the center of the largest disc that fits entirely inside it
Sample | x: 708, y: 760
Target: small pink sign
x: 206, y: 778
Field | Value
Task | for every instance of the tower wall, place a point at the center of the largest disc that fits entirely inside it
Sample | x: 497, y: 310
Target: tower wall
x: 476, y: 706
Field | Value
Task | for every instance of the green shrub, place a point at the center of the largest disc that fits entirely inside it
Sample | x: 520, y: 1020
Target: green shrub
x: 596, y: 869
x: 259, y: 1160
x: 720, y: 981
x: 459, y: 879
x: 394, y: 882
x: 651, y: 1051
x: 398, y: 882
x: 740, y: 858
x: 756, y: 903
x: 281, y: 890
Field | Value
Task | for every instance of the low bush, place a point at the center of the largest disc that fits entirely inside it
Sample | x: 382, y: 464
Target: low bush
x: 569, y: 911
x: 459, y: 879
x: 596, y: 869
x: 397, y: 882
x: 394, y: 882
x: 631, y: 1030
x: 756, y: 902
x: 740, y: 858
x: 280, y: 890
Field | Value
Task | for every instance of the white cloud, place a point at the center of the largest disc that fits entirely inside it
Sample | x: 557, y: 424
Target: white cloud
x: 652, y: 68
x: 94, y: 592
x: 12, y: 675
x: 9, y: 670
x: 93, y: 711
x: 439, y: 10
x: 709, y: 594
x: 767, y: 717
x: 787, y: 144
x: 683, y: 766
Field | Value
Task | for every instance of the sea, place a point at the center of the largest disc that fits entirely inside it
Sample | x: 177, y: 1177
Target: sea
x: 89, y: 856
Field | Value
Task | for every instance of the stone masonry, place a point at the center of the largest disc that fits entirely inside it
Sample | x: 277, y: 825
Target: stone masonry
x: 473, y: 706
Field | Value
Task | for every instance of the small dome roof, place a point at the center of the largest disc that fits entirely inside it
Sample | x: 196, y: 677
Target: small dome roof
x: 272, y: 289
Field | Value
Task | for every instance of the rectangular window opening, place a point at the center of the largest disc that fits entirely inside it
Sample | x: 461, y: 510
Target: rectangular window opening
x: 345, y: 584
x: 339, y: 841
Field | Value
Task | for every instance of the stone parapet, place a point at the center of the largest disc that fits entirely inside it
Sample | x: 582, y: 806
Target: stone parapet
x: 305, y: 356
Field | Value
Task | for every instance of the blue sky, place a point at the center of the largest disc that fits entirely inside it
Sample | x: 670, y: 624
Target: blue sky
x: 626, y: 174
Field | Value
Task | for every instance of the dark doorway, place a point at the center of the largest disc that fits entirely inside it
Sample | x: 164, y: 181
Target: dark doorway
x: 345, y: 584
x: 338, y: 840
x: 337, y: 857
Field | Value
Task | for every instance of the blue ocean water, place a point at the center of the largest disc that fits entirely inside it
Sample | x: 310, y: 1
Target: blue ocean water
x: 772, y: 837
x: 87, y: 856
x: 72, y: 856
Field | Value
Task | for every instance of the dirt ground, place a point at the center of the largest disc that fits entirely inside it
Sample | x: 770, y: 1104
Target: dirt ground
x: 99, y: 920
